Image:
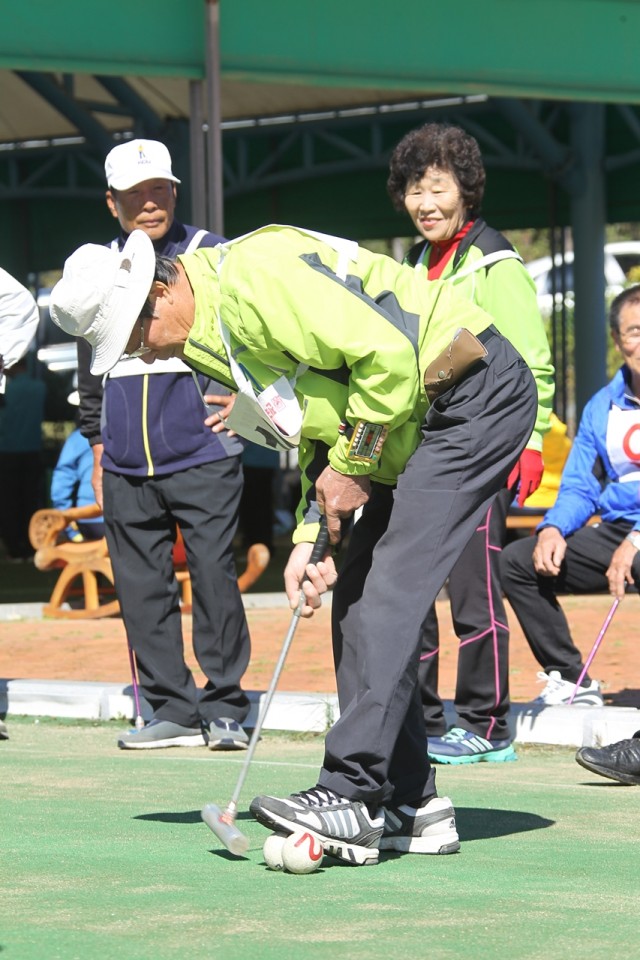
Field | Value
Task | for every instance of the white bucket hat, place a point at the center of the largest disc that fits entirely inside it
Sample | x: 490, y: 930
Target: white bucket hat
x: 101, y: 294
x: 135, y: 161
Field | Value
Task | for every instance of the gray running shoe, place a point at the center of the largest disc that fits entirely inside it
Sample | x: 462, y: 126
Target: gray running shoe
x: 161, y: 733
x: 4, y: 733
x: 226, y: 734
x: 428, y: 829
x: 344, y: 827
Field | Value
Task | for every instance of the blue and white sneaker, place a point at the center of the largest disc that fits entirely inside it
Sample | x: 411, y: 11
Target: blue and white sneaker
x: 462, y: 746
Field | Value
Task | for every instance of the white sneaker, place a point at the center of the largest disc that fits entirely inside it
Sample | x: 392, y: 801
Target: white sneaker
x: 427, y: 829
x: 558, y: 691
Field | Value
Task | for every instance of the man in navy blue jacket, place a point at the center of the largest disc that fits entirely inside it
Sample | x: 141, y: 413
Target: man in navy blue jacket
x: 157, y: 466
x: 601, y: 476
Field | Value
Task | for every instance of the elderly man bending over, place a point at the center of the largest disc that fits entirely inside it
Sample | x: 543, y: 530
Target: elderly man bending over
x: 404, y: 400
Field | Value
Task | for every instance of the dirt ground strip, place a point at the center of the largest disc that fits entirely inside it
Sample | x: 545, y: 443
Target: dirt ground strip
x: 96, y: 650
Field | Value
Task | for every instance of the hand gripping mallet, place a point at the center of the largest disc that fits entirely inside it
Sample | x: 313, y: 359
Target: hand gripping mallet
x: 594, y: 649
x: 222, y: 823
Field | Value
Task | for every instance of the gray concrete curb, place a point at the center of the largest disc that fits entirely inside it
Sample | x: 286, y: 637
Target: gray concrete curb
x: 252, y: 601
x: 310, y: 712
x: 301, y: 712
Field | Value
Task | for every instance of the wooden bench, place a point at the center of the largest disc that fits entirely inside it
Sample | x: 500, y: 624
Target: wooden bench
x: 524, y: 521
x: 89, y: 563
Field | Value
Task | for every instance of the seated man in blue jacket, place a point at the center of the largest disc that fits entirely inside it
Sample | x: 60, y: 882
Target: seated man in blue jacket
x: 71, y: 486
x: 601, y: 476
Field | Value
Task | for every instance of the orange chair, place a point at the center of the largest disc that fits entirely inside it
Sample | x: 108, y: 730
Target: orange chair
x: 89, y: 561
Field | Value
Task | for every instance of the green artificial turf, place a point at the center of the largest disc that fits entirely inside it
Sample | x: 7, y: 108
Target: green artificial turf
x: 105, y: 857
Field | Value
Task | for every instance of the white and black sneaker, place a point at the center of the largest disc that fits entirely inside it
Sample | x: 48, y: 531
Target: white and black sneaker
x: 344, y: 827
x: 427, y: 829
x: 558, y: 691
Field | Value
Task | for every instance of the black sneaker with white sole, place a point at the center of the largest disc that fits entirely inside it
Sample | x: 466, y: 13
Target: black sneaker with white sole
x: 226, y: 734
x: 427, y: 829
x: 345, y: 828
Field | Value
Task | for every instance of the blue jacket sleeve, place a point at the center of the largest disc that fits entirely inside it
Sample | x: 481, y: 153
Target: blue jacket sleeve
x: 580, y: 487
x: 65, y: 479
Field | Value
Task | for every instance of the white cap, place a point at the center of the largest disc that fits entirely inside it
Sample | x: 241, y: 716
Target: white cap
x: 101, y: 294
x: 135, y: 161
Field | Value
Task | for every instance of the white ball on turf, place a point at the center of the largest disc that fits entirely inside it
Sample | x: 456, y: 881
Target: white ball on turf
x: 272, y: 851
x: 302, y: 853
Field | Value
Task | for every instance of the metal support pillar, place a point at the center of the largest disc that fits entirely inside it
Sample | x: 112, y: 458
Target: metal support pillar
x: 215, y: 210
x: 197, y: 176
x: 588, y: 217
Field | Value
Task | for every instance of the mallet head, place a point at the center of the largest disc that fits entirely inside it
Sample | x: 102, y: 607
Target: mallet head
x: 222, y: 824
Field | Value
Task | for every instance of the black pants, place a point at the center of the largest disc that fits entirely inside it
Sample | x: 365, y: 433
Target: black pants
x: 480, y: 623
x: 256, y: 506
x: 21, y: 494
x: 141, y: 517
x: 398, y: 559
x: 534, y: 598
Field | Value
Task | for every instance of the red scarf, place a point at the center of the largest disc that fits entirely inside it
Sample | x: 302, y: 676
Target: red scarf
x: 439, y: 254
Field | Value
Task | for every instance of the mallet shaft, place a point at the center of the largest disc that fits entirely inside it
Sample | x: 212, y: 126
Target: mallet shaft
x: 594, y: 649
x: 223, y: 823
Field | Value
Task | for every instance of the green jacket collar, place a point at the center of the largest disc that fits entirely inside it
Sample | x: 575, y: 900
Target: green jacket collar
x: 204, y: 348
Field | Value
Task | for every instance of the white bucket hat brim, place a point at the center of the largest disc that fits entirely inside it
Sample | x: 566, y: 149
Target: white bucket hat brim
x: 101, y: 294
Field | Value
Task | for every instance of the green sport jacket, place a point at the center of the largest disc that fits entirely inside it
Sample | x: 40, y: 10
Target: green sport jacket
x: 365, y: 326
x: 488, y: 270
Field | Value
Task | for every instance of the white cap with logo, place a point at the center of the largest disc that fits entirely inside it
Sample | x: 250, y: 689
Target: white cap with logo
x: 101, y: 294
x: 133, y: 162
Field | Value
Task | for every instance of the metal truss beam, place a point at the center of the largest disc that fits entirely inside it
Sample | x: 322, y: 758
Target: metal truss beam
x: 62, y: 100
x: 264, y: 153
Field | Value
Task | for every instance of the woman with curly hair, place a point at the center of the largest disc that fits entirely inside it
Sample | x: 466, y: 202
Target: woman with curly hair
x: 437, y: 176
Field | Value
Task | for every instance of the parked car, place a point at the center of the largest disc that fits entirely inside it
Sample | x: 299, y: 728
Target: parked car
x: 627, y: 253
x: 620, y: 257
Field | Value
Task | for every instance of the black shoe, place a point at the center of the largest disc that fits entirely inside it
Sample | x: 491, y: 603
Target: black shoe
x: 618, y: 761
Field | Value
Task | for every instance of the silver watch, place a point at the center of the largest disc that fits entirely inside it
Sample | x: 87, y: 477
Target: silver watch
x: 634, y: 538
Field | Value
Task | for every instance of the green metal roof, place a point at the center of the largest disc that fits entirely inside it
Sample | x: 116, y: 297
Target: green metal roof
x: 560, y: 49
